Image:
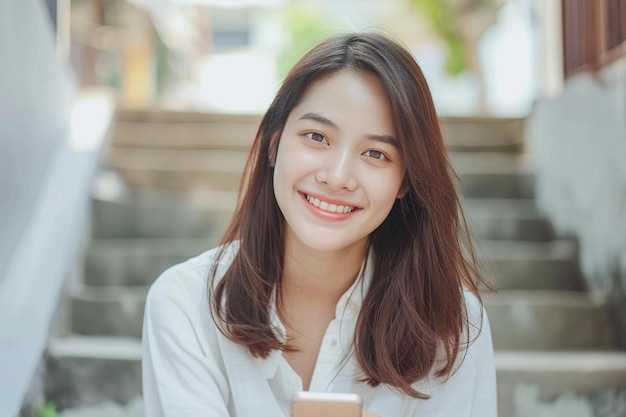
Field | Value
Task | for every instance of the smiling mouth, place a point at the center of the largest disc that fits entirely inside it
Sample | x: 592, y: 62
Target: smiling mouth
x: 331, y: 208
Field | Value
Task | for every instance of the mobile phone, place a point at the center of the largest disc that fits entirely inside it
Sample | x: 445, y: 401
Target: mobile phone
x: 325, y: 404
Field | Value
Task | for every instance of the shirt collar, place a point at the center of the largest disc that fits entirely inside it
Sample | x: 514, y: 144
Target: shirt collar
x: 350, y: 302
x: 348, y: 306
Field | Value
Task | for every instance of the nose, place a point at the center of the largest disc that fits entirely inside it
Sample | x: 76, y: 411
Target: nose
x: 337, y: 170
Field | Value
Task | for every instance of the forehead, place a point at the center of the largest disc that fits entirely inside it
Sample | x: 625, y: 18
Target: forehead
x: 350, y: 99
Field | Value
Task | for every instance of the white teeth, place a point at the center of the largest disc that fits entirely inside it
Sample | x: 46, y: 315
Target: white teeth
x: 333, y: 208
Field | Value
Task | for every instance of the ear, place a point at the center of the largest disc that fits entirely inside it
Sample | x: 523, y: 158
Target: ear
x: 404, y: 189
x: 273, y: 148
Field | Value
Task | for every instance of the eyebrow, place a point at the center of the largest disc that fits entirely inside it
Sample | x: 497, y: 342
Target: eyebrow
x: 390, y: 140
x: 316, y: 117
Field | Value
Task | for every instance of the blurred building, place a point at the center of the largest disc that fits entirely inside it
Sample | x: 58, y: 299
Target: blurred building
x: 230, y: 56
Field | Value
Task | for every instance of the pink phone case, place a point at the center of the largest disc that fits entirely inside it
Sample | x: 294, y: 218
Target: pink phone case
x: 325, y: 404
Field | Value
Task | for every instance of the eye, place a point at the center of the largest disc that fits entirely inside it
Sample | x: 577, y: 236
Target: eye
x: 316, y: 137
x: 373, y: 153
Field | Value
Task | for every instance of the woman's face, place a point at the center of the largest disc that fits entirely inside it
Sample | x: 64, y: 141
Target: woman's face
x: 338, y: 169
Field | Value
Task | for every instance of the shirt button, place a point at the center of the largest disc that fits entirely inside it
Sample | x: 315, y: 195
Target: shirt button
x: 333, y: 342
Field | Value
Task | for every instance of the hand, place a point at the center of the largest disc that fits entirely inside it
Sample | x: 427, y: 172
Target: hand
x: 366, y: 414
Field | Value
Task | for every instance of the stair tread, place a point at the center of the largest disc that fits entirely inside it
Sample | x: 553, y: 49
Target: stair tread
x: 102, y: 347
x: 555, y: 298
x: 110, y: 293
x: 551, y: 361
x: 112, y: 347
x: 233, y: 161
x: 178, y: 160
x: 209, y: 200
x: 517, y: 249
x: 205, y: 200
x: 490, y: 163
x: 151, y: 243
x: 539, y: 296
x: 555, y: 247
x: 513, y: 208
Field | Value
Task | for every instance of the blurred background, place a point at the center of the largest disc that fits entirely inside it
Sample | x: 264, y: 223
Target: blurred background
x: 125, y: 125
x: 230, y: 56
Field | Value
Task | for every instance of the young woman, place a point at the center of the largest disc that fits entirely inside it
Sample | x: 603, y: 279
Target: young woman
x: 347, y: 266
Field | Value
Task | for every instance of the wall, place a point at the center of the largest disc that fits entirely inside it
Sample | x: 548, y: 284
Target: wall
x: 46, y: 166
x: 35, y: 94
x: 578, y: 143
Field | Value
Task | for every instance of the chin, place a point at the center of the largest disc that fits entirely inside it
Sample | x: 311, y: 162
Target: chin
x: 329, y: 242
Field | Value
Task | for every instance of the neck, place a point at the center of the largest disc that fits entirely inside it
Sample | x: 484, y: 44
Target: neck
x: 318, y: 275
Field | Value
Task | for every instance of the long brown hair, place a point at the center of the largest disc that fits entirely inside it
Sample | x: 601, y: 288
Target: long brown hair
x: 413, y: 318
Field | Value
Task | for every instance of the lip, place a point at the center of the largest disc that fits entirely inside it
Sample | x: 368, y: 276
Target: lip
x: 329, y: 200
x: 327, y: 215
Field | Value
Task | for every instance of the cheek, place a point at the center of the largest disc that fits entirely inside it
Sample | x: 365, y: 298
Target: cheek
x: 279, y: 160
x: 281, y: 168
x: 387, y: 189
x: 279, y: 186
x: 285, y: 172
x: 291, y: 163
x: 387, y: 201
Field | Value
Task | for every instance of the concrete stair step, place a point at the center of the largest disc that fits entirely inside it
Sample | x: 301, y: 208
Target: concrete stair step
x: 497, y: 185
x: 143, y: 214
x: 174, y: 169
x: 91, y: 370
x: 155, y: 128
x: 532, y: 265
x: 548, y: 320
x: 515, y: 265
x: 184, y: 130
x: 490, y: 162
x: 146, y: 216
x: 506, y: 219
x: 539, y: 383
x: 135, y: 262
x: 483, y: 134
x: 107, y: 311
x: 525, y: 320
x: 493, y: 175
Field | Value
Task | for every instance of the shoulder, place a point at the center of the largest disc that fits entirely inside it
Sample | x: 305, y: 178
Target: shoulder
x: 186, y: 281
x: 476, y: 331
x: 475, y: 311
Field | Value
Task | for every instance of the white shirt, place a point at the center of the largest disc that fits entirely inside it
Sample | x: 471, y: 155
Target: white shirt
x: 191, y: 370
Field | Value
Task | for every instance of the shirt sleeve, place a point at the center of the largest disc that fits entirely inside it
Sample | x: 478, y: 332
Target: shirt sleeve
x: 485, y: 402
x: 181, y: 374
x: 471, y: 391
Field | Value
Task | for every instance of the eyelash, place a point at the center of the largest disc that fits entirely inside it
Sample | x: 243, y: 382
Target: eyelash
x: 310, y: 136
x: 383, y: 156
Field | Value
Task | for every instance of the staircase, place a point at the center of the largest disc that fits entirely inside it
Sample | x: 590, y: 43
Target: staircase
x: 179, y: 175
